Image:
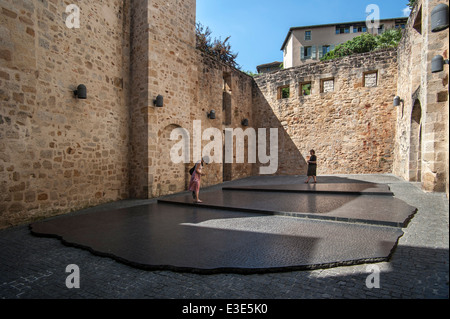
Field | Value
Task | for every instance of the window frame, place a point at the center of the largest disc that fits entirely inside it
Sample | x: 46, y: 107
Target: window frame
x: 280, y: 93
x: 368, y: 73
x: 322, y: 82
x: 328, y: 49
x: 305, y: 50
x: 308, y: 35
x: 359, y: 29
x: 301, y: 84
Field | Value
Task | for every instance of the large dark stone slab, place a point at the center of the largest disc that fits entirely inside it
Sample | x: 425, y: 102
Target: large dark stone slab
x: 234, y: 230
x: 371, y: 209
x: 202, y: 240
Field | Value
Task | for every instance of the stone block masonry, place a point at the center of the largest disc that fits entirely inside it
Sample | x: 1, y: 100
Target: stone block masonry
x: 58, y: 153
x: 347, y: 117
x: 164, y: 61
x: 421, y: 144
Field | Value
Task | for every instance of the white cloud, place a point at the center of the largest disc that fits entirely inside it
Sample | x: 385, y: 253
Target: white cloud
x: 406, y: 12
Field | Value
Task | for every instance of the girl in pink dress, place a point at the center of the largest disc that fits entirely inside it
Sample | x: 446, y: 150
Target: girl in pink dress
x: 194, y: 184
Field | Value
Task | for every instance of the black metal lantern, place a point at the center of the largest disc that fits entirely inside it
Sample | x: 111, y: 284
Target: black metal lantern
x: 397, y: 100
x: 439, y: 18
x: 244, y: 122
x: 437, y: 64
x: 212, y: 115
x: 81, y: 92
x: 159, y: 101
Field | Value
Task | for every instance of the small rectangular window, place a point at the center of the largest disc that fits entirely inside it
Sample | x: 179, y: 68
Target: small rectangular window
x: 283, y: 92
x: 305, y: 89
x: 307, y: 52
x: 327, y: 85
x: 370, y: 79
x: 357, y: 29
x: 341, y: 29
x: 418, y: 21
x: 307, y: 35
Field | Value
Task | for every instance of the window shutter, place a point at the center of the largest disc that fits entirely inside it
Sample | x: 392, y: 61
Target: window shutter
x: 313, y: 53
x: 320, y: 52
x: 302, y: 53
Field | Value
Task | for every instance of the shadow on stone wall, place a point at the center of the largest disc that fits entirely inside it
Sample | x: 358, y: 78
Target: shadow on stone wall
x: 290, y: 160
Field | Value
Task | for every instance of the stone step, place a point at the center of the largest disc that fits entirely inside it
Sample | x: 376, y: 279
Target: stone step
x: 328, y: 188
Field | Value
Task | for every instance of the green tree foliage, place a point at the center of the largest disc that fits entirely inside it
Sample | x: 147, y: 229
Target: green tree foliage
x: 411, y: 4
x: 366, y: 42
x: 389, y: 39
x: 251, y: 73
x: 216, y: 48
x: 285, y: 93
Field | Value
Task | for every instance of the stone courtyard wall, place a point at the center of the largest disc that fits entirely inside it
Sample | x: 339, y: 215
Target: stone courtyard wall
x: 421, y: 148
x: 58, y: 153
x: 165, y: 62
x: 351, y: 128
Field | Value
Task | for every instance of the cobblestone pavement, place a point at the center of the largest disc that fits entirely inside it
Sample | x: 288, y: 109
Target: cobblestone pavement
x: 33, y: 267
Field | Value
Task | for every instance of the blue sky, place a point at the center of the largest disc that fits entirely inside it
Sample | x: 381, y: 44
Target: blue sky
x: 259, y: 27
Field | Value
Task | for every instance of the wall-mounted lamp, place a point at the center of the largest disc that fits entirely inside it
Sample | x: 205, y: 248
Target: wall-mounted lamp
x: 159, y: 102
x: 211, y: 115
x: 439, y: 18
x: 244, y: 122
x: 81, y: 92
x: 437, y: 64
x: 397, y: 101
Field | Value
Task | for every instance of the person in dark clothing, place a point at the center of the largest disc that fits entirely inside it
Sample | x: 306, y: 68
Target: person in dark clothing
x: 312, y: 166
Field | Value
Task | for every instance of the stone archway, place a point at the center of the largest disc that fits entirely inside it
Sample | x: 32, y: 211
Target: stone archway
x: 170, y: 177
x: 415, y: 144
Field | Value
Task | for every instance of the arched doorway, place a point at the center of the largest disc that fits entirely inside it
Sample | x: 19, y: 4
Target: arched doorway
x: 415, y: 144
x: 170, y: 177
